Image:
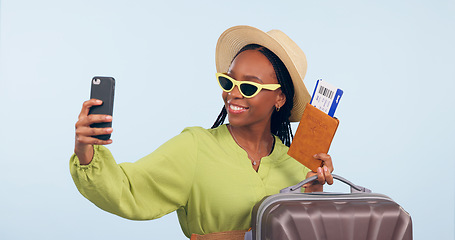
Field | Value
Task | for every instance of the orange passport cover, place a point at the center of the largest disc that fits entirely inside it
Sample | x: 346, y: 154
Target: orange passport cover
x: 314, y: 135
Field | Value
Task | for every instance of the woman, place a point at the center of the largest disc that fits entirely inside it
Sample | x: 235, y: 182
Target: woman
x: 212, y: 177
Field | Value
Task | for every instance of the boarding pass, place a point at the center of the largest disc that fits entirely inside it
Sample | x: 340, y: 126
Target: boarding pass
x: 326, y: 97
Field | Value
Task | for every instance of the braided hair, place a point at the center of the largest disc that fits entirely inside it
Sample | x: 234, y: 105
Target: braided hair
x: 280, y: 125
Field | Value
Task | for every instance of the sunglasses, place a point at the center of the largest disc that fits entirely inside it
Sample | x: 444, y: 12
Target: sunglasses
x: 247, y: 89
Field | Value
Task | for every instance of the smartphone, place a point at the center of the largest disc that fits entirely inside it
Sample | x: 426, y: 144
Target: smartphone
x: 103, y: 89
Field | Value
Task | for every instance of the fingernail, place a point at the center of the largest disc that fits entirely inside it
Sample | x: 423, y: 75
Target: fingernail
x: 108, y: 117
x: 315, y: 155
x: 98, y: 101
x: 109, y: 130
x: 326, y: 169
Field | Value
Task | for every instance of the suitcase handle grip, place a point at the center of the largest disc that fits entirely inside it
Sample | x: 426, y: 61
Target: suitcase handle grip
x: 296, y: 188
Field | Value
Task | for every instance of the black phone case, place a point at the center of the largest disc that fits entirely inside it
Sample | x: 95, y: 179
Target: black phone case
x: 103, y: 89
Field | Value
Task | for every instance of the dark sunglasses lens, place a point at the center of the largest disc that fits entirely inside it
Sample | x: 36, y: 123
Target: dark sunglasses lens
x: 248, y: 89
x: 225, y: 83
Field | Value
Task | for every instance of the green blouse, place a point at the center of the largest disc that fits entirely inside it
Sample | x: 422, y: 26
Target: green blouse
x: 201, y: 173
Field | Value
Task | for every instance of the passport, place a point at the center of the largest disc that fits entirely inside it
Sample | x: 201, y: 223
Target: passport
x: 314, y: 135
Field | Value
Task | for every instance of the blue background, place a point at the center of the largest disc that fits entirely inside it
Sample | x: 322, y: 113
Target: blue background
x: 393, y: 59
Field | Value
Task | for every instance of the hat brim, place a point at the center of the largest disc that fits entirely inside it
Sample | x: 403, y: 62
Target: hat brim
x: 235, y: 38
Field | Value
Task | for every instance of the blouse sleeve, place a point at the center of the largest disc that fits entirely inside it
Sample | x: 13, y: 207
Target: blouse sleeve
x: 153, y: 186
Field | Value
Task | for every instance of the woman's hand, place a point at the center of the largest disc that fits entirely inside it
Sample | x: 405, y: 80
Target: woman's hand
x: 324, y: 174
x: 83, y: 146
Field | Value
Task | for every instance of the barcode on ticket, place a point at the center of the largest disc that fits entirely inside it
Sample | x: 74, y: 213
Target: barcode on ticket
x: 326, y: 97
x: 326, y: 92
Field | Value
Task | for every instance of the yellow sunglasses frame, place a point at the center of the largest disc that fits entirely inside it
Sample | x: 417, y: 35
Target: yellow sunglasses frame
x: 259, y: 86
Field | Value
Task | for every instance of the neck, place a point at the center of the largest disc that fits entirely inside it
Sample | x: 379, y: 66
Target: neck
x: 257, y: 142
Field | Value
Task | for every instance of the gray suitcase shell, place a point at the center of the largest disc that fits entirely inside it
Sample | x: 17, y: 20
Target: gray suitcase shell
x: 292, y: 215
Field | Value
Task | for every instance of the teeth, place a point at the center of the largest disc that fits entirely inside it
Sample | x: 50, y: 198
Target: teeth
x: 235, y: 108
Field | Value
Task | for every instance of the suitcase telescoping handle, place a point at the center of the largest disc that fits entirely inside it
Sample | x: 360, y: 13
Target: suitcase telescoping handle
x: 296, y: 188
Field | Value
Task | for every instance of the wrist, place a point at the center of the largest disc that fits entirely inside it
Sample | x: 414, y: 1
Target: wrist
x: 84, y: 154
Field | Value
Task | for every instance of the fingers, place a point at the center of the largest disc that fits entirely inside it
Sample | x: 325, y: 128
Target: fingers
x: 326, y: 160
x: 313, y: 186
x: 84, y: 132
x: 84, y: 135
x: 84, y: 141
x: 87, y: 105
x: 308, y: 175
x: 327, y: 175
x: 324, y: 174
x: 91, y: 140
x: 91, y: 119
x: 321, y: 177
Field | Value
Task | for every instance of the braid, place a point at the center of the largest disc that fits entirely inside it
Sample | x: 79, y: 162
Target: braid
x: 220, y: 119
x: 280, y: 125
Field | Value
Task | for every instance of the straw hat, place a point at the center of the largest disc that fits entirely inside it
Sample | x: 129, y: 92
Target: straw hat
x: 235, y: 38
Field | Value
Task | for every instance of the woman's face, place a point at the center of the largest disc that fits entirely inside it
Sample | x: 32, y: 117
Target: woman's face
x: 251, y: 65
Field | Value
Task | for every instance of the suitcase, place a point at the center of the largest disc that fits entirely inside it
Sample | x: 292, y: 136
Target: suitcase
x: 292, y: 215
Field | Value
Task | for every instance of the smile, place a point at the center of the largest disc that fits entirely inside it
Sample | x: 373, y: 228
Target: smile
x: 236, y: 109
